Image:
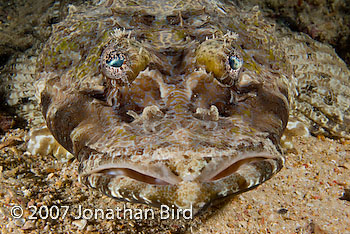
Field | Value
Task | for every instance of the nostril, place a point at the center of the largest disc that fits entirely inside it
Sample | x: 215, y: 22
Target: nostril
x: 205, y: 114
x: 152, y: 113
x: 146, y: 19
x: 149, y: 114
x: 173, y: 19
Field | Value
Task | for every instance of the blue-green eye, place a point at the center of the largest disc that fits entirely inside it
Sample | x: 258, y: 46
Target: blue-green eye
x: 235, y: 62
x: 116, y: 61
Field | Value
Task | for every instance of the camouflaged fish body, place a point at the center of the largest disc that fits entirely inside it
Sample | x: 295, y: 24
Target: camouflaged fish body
x: 176, y: 103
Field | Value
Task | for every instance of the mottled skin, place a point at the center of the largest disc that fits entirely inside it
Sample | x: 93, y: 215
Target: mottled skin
x: 174, y: 124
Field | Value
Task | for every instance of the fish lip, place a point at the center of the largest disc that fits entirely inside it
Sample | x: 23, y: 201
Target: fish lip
x: 157, y: 174
x: 227, y: 166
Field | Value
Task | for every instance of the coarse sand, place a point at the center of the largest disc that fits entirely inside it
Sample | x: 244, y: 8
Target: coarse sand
x: 304, y: 197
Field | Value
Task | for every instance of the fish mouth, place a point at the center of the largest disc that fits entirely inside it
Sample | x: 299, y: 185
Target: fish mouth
x: 154, y: 174
x: 225, y: 167
x: 216, y: 169
x: 115, y: 171
x: 233, y: 168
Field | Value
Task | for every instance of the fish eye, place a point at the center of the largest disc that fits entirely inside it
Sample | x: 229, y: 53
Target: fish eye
x: 235, y: 62
x: 122, y: 60
x: 115, y: 65
x: 115, y: 60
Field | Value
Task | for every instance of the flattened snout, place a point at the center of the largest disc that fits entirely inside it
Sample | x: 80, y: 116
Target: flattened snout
x: 185, y: 168
x: 183, y: 182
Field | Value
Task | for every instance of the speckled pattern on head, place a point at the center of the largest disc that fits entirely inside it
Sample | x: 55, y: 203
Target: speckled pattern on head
x: 178, y: 103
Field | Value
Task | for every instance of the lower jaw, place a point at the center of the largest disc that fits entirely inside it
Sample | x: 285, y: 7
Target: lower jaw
x: 185, y: 194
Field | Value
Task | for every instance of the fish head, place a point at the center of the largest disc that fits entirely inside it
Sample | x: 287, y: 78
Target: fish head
x: 180, y: 113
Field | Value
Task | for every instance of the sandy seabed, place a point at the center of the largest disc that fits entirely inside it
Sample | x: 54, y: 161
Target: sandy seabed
x: 304, y: 197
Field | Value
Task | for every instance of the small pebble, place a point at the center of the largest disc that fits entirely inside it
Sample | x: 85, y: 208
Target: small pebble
x: 346, y: 195
x: 19, y: 222
x: 282, y: 211
x: 49, y: 176
x: 81, y: 223
x: 28, y: 225
x: 27, y: 193
x: 90, y: 228
x: 46, y: 228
